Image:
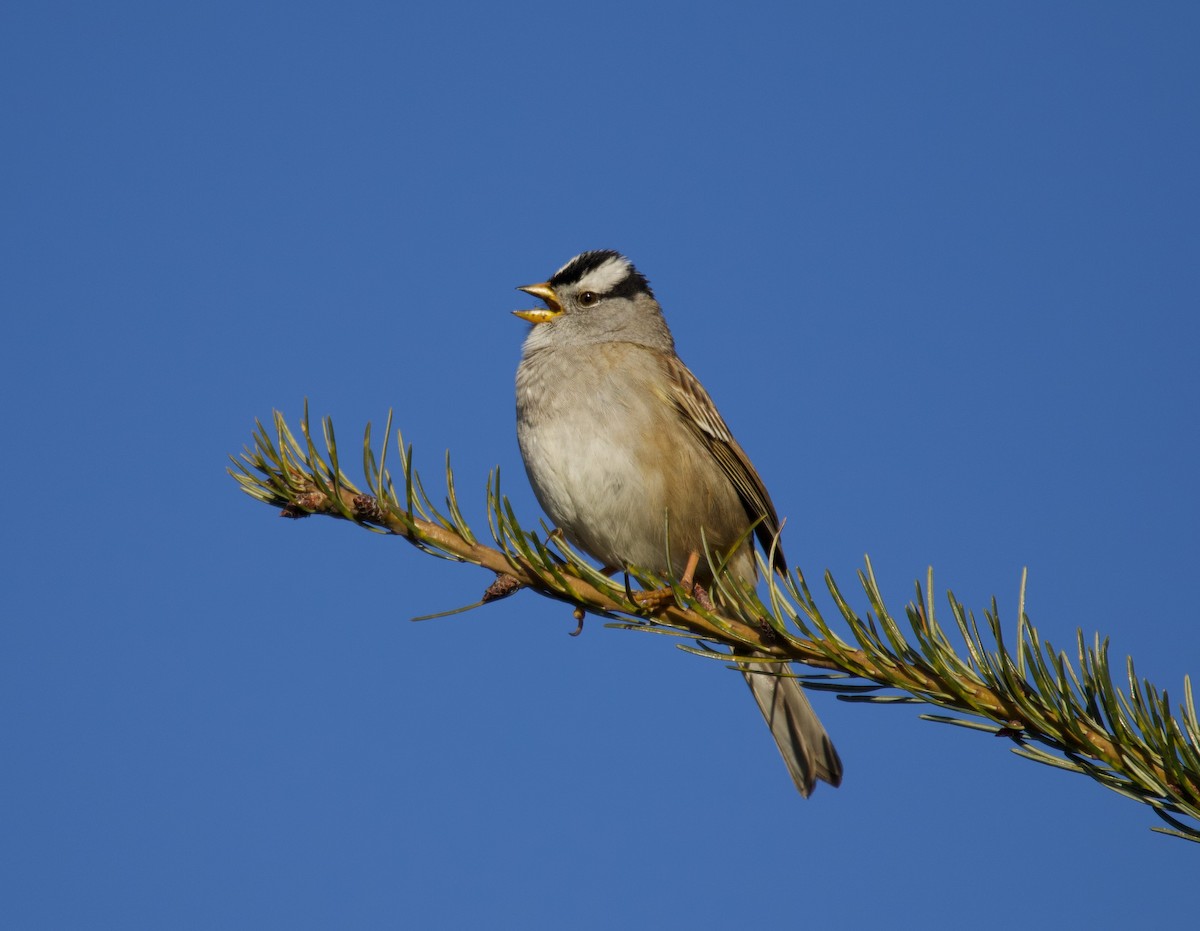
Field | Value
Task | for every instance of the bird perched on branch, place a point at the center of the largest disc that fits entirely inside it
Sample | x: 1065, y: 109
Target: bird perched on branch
x: 630, y: 459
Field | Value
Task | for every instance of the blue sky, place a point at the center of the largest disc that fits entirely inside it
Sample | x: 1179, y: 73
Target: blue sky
x: 936, y: 262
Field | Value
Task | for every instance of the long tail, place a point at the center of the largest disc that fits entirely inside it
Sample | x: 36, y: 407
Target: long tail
x: 798, y: 732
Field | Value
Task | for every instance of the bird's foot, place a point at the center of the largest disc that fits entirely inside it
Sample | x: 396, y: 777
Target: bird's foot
x: 660, y: 599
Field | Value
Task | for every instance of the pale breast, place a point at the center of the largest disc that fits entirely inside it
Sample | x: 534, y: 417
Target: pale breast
x: 612, y: 464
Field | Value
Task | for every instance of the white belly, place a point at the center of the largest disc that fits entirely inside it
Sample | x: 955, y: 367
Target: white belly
x: 602, y: 463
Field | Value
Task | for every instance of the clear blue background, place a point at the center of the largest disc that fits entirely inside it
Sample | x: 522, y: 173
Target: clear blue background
x: 939, y: 264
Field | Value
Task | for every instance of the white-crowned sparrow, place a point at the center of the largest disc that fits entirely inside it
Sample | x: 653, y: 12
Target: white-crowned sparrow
x: 625, y: 449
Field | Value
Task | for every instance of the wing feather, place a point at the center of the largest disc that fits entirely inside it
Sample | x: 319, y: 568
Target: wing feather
x: 701, y: 415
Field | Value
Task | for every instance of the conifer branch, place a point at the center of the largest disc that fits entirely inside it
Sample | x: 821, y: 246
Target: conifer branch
x: 1071, y: 716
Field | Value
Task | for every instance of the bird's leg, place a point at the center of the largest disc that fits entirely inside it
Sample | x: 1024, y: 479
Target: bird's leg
x: 689, y: 571
x: 696, y: 588
x: 660, y: 598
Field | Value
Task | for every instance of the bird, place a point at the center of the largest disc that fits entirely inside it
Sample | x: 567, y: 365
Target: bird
x: 631, y: 461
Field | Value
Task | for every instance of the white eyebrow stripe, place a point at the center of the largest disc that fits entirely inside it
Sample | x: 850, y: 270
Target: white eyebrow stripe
x: 564, y: 267
x: 606, y: 276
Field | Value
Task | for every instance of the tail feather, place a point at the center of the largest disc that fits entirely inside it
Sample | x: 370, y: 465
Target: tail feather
x: 798, y: 732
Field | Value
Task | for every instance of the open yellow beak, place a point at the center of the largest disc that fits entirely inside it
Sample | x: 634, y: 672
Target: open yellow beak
x: 545, y: 314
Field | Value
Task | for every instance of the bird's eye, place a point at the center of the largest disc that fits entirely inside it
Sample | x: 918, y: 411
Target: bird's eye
x: 588, y: 298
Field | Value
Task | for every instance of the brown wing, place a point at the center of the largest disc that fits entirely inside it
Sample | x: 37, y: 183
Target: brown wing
x: 702, y: 417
